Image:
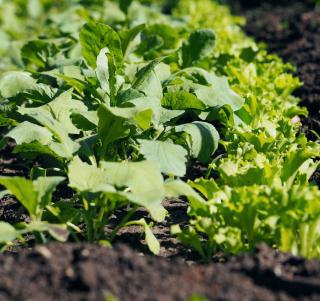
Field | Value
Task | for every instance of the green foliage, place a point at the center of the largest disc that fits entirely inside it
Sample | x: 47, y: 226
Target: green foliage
x: 119, y: 99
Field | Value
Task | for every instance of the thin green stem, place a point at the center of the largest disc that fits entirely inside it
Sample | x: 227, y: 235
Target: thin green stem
x: 123, y: 222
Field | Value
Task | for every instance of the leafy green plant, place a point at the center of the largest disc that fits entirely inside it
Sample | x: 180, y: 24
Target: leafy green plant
x: 119, y: 99
x: 34, y: 196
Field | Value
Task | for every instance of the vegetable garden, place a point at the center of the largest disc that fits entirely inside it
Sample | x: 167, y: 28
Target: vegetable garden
x: 159, y: 126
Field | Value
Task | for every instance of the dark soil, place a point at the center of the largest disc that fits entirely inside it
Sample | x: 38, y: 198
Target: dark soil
x: 88, y: 272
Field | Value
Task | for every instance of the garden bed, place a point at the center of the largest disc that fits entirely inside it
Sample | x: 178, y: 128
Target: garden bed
x: 79, y: 271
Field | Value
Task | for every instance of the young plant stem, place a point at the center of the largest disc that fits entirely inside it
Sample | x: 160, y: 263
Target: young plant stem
x: 123, y: 222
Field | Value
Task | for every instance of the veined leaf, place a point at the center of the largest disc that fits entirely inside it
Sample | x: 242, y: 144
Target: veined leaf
x: 27, y: 132
x: 55, y: 116
x: 219, y: 94
x: 144, y: 184
x: 172, y: 158
x: 14, y: 82
x: 96, y: 36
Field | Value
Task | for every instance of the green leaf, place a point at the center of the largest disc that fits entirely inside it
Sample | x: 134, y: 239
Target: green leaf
x: 127, y: 37
x: 182, y: 100
x: 147, y: 81
x: 199, y: 45
x: 14, y: 82
x: 86, y: 121
x: 32, y: 195
x: 7, y: 233
x: 189, y: 237
x: 206, y: 187
x: 144, y: 105
x: 110, y: 128
x: 55, y: 116
x: 144, y: 184
x: 219, y: 93
x: 157, y: 38
x: 105, y: 75
x: 38, y: 52
x: 152, y: 242
x: 204, y: 139
x: 23, y: 190
x: 84, y: 177
x: 176, y: 188
x: 96, y: 36
x: 27, y: 132
x: 293, y: 162
x: 45, y: 186
x: 172, y: 158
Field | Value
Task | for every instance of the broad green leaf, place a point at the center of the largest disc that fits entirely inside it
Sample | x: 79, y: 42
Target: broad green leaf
x: 205, y: 186
x: 96, y: 36
x: 156, y: 39
x: 14, y: 82
x: 85, y: 120
x: 204, y: 139
x: 182, y: 100
x: 55, y: 116
x: 35, y: 148
x: 23, y: 190
x: 212, y: 90
x: 199, y: 45
x: 45, y: 186
x: 172, y: 158
x: 111, y: 127
x: 147, y: 81
x: 62, y: 107
x: 7, y: 233
x: 106, y: 73
x: 57, y: 231
x: 84, y: 177
x: 219, y: 93
x: 148, y: 103
x: 144, y: 184
x: 27, y: 132
x: 116, y: 122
